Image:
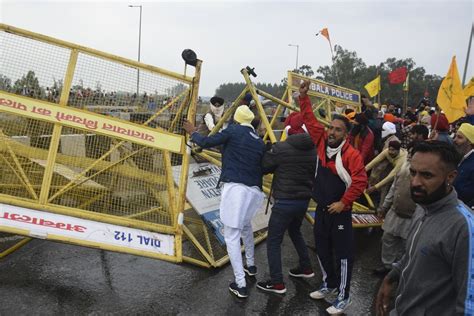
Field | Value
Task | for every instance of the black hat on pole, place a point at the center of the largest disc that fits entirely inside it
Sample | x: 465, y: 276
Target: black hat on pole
x: 189, y: 57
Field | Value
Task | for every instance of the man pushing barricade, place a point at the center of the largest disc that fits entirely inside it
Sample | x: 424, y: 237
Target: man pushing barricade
x: 292, y: 163
x: 340, y: 179
x: 242, y: 192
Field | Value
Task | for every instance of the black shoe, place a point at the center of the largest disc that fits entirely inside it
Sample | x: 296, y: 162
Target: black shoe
x: 381, y: 271
x: 268, y: 286
x: 301, y: 273
x: 251, y: 271
x: 240, y: 292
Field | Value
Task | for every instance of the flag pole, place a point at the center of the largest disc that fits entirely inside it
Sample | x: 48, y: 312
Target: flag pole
x: 380, y: 86
x: 467, y: 56
x: 334, y: 65
x: 404, y: 102
x: 405, y: 93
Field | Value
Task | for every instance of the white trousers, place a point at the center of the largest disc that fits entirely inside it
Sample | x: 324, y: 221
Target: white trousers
x: 232, y: 239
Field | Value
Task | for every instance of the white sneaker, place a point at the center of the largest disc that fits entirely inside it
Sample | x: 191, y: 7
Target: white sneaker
x: 322, y: 292
x: 339, y: 306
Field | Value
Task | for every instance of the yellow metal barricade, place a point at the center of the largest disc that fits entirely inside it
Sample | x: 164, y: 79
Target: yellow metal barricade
x: 89, y: 142
x: 331, y: 98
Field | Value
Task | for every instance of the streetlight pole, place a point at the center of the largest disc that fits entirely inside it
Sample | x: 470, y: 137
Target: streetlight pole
x: 297, y: 53
x: 139, y: 45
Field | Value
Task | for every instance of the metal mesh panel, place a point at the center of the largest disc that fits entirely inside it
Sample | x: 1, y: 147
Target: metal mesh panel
x: 23, y: 140
x: 110, y: 88
x: 31, y: 68
x: 92, y: 172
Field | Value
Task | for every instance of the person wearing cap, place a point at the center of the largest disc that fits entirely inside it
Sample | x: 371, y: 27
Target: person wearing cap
x: 388, y: 134
x: 210, y: 119
x: 362, y: 137
x: 292, y: 163
x: 384, y: 167
x: 242, y: 195
x: 395, y: 156
x: 440, y: 127
x: 248, y: 101
x: 294, y: 124
x: 339, y: 180
x: 350, y: 114
x: 464, y: 182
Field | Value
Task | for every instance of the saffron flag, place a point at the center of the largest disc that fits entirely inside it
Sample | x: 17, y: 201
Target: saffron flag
x: 373, y: 87
x: 406, y: 84
x: 397, y: 76
x: 324, y: 32
x: 469, y: 89
x: 451, y: 97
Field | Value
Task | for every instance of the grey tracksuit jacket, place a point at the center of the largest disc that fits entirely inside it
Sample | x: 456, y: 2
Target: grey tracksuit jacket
x: 436, y: 274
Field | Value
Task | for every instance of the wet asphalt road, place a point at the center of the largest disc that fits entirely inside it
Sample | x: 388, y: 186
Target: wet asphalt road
x: 46, y: 278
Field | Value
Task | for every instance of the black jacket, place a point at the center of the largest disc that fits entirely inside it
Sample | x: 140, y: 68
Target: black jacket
x: 292, y: 163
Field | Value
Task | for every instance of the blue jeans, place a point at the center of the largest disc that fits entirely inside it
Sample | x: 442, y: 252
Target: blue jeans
x: 286, y: 214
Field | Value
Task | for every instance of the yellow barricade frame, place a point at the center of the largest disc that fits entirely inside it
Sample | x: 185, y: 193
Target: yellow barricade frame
x: 63, y: 116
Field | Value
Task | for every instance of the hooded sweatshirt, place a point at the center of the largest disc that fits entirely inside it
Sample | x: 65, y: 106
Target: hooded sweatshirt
x: 293, y: 165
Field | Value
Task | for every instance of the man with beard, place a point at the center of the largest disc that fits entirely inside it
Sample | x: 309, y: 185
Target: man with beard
x: 436, y: 274
x: 362, y: 137
x: 242, y: 189
x: 464, y: 183
x: 213, y: 116
x: 339, y: 180
x: 418, y: 133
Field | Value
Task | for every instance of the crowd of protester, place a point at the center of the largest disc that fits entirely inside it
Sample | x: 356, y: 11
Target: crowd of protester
x: 86, y: 96
x: 417, y: 167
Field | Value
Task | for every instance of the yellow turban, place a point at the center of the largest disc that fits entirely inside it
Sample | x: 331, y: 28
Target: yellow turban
x: 468, y: 131
x: 243, y: 115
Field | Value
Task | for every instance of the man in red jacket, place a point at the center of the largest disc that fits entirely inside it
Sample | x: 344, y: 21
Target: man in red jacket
x: 362, y: 137
x: 339, y: 180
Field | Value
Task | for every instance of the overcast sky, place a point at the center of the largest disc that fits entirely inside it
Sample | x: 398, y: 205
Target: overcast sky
x: 229, y: 35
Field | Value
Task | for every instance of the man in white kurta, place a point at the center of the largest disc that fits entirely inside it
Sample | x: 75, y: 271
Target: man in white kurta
x: 241, y: 194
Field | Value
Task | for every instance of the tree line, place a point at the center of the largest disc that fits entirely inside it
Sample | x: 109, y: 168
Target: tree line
x: 350, y: 71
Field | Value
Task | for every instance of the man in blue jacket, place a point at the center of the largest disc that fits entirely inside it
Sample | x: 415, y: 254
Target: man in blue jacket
x: 464, y: 183
x: 242, y: 192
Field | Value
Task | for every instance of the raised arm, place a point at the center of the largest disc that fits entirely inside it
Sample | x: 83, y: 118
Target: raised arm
x: 315, y: 129
x: 398, y: 165
x: 378, y: 159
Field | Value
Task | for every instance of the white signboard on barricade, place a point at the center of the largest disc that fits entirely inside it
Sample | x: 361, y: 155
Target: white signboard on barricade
x: 40, y: 224
x: 205, y: 197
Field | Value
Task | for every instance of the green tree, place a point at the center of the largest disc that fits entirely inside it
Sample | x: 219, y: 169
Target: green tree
x: 5, y: 83
x: 351, y: 72
x: 230, y: 91
x: 29, y: 84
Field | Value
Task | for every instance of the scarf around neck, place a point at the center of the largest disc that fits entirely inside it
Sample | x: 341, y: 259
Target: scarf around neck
x: 341, y: 171
x: 218, y: 111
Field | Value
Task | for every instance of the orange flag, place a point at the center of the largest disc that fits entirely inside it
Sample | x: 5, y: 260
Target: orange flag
x: 324, y: 32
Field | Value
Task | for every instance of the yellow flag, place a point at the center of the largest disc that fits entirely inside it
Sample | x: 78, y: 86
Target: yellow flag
x: 373, y: 87
x: 451, y: 97
x: 469, y: 89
